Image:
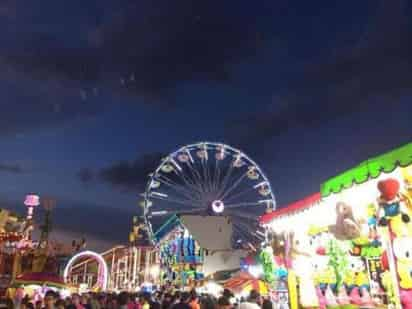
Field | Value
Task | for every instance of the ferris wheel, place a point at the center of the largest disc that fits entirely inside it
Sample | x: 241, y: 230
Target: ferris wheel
x: 210, y: 179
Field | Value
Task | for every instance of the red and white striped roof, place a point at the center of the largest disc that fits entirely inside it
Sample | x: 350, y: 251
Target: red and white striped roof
x: 291, y: 208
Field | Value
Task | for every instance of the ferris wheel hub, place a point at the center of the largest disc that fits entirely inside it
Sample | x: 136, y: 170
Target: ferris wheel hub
x: 218, y: 206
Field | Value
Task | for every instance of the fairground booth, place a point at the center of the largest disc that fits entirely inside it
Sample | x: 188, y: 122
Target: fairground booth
x: 194, y: 249
x: 350, y: 245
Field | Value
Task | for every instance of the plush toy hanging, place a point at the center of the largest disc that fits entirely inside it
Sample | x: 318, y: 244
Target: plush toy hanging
x: 338, y: 261
x: 267, y: 260
x: 346, y: 227
x: 390, y: 202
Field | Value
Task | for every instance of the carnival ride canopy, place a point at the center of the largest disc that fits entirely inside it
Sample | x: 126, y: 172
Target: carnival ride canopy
x: 243, y: 283
x: 369, y: 169
x: 39, y: 278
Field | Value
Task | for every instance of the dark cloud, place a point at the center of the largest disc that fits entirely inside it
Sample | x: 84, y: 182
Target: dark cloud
x: 86, y: 175
x: 124, y: 175
x: 35, y: 104
x: 92, y: 220
x: 59, y: 67
x: 13, y: 168
x: 373, y: 74
x: 147, y: 47
x: 131, y: 175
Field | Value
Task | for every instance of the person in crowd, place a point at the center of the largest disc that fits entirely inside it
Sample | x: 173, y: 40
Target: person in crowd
x: 112, y: 302
x: 227, y: 293
x: 50, y: 300
x: 38, y: 304
x: 85, y: 301
x: 184, y: 301
x: 133, y: 302
x: 167, y: 301
x: 60, y: 304
x: 75, y: 302
x: 102, y: 299
x: 176, y: 297
x: 223, y: 303
x: 267, y: 304
x: 123, y: 300
x: 30, y: 305
x: 194, y: 300
x: 253, y: 301
x: 94, y: 302
x: 207, y: 302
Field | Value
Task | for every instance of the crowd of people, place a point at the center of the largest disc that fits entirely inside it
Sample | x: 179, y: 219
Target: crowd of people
x: 146, y: 300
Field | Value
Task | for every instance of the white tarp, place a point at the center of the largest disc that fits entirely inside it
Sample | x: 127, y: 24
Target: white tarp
x: 211, y: 232
x: 222, y: 260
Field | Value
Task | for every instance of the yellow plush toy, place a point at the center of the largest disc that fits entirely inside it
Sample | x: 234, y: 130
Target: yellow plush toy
x: 400, y: 228
x: 402, y: 248
x: 349, y: 278
x: 407, y: 176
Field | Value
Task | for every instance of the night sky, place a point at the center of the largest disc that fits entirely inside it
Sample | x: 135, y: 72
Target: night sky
x: 93, y: 93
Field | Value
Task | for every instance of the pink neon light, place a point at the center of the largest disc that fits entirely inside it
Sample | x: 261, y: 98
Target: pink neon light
x: 32, y: 200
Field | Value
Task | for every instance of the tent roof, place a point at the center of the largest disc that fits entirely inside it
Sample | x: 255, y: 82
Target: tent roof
x: 39, y: 278
x: 293, y: 207
x: 369, y: 169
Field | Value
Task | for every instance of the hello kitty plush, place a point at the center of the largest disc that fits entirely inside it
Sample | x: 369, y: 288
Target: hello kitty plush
x: 402, y: 249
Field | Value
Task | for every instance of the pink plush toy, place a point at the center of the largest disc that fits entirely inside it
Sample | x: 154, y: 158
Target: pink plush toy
x: 355, y: 298
x: 330, y: 298
x: 366, y: 300
x: 321, y: 297
x: 406, y: 299
x: 343, y: 298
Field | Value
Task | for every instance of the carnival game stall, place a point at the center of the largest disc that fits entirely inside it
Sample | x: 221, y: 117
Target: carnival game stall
x: 350, y: 245
x: 287, y: 245
x: 180, y: 255
x: 373, y: 212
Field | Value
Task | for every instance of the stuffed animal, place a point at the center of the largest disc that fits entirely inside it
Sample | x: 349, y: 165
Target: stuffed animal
x: 389, y: 202
x: 321, y: 298
x: 407, y: 176
x: 402, y: 249
x: 355, y: 297
x: 343, y: 298
x: 318, y: 242
x: 361, y: 277
x: 366, y: 299
x: 307, y: 290
x: 320, y: 270
x: 406, y: 299
x: 330, y: 298
x: 346, y: 226
x: 388, y: 286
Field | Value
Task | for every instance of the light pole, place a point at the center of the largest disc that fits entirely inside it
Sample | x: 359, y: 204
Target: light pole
x: 48, y: 204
